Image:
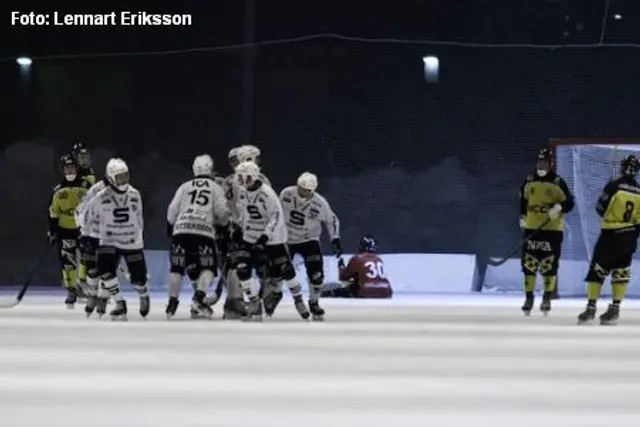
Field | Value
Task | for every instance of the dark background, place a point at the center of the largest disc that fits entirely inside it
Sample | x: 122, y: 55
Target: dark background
x: 423, y: 167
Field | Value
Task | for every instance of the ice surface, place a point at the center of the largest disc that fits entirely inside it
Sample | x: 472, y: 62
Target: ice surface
x: 461, y: 361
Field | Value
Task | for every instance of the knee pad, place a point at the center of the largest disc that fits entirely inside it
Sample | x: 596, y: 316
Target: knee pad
x: 548, y: 265
x: 243, y: 271
x: 597, y: 273
x: 193, y: 272
x: 93, y: 273
x: 620, y: 275
x: 105, y: 277
x: 530, y: 264
x: 316, y: 278
x: 287, y: 272
x: 112, y: 285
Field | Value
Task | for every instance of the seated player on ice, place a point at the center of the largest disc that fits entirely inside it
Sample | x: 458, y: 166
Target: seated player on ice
x: 365, y: 272
x: 619, y: 207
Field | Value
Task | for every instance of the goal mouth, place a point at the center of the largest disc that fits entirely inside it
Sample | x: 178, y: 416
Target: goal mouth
x: 587, y: 165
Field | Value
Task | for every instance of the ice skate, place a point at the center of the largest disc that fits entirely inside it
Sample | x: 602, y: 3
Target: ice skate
x: 527, y: 306
x: 301, y: 308
x: 145, y: 306
x: 610, y: 317
x: 545, y: 306
x: 234, y: 309
x: 90, y: 306
x: 587, y: 315
x: 199, y: 306
x: 271, y: 302
x: 172, y: 307
x: 317, y: 313
x: 120, y: 311
x: 101, y: 306
x: 72, y: 298
x: 254, y: 310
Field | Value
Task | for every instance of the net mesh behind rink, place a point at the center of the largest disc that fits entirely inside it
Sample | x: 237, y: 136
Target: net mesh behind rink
x: 587, y: 168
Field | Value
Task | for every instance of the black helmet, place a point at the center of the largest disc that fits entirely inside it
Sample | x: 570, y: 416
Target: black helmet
x: 81, y: 154
x: 367, y: 244
x: 546, y: 154
x: 630, y: 165
x: 68, y: 167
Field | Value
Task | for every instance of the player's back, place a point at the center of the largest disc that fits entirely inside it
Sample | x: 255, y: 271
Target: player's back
x: 623, y: 209
x: 368, y: 270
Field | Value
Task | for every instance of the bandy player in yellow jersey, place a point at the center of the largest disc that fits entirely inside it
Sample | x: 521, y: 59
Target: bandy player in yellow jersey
x: 82, y: 157
x: 544, y: 199
x: 619, y: 207
x: 63, y: 229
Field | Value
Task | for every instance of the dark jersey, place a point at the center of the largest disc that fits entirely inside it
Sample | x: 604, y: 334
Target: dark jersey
x: 367, y: 270
x: 538, y: 195
x: 619, y: 204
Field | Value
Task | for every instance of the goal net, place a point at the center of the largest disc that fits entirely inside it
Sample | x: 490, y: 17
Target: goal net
x: 587, y: 165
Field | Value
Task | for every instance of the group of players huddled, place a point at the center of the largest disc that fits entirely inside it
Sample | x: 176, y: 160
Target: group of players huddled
x: 231, y: 227
x: 544, y: 199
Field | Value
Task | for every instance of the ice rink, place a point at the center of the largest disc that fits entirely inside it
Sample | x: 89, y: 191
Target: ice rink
x: 447, y: 360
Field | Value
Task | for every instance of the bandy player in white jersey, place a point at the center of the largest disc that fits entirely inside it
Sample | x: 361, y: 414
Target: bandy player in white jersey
x: 117, y: 212
x: 305, y: 211
x: 263, y: 231
x: 197, y: 213
x: 89, y: 242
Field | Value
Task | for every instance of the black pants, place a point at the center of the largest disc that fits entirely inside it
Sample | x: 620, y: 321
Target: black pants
x: 89, y: 255
x: 312, y: 255
x: 541, y: 253
x: 274, y: 259
x: 192, y: 253
x: 613, y: 253
x: 109, y: 259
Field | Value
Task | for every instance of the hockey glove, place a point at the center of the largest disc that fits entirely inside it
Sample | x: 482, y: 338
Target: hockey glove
x: 169, y: 229
x: 262, y: 242
x: 554, y: 212
x: 336, y: 247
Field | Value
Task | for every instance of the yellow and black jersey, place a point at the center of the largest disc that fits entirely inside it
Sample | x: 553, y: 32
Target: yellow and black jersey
x: 88, y: 175
x: 619, y: 204
x: 538, y: 195
x: 66, y: 197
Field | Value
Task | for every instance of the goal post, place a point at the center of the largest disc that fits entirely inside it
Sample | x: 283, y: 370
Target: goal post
x: 587, y: 164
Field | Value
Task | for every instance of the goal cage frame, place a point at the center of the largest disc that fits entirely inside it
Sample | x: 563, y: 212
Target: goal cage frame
x: 616, y: 144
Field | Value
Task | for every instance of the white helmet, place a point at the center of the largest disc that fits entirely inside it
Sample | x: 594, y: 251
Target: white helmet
x: 233, y: 153
x: 202, y: 165
x: 308, y: 181
x: 248, y: 153
x: 248, y: 173
x: 118, y: 174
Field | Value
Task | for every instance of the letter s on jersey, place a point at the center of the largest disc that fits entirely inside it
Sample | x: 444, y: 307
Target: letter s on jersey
x: 121, y: 215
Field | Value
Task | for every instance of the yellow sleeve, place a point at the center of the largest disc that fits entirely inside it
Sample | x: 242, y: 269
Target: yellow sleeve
x: 54, y: 206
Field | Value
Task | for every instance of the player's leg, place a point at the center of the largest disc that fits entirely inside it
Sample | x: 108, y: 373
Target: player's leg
x: 314, y: 264
x: 176, y: 273
x: 108, y: 258
x: 599, y: 269
x: 234, y: 308
x: 620, y: 274
x: 137, y: 266
x: 530, y: 264
x: 273, y: 293
x: 90, y: 246
x: 283, y: 269
x: 203, y: 273
x: 548, y: 267
x: 244, y: 270
x: 68, y: 254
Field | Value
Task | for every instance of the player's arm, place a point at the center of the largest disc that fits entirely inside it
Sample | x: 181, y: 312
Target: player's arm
x: 52, y: 216
x: 285, y: 200
x: 274, y: 209
x: 332, y: 223
x: 606, y: 197
x: 174, y: 209
x: 350, y: 270
x: 140, y: 213
x: 524, y: 200
x: 568, y: 201
x: 220, y: 207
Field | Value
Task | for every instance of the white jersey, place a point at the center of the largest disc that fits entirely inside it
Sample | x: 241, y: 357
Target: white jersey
x: 87, y: 228
x: 304, y: 217
x: 198, y: 205
x: 118, y: 217
x: 232, y: 190
x: 261, y: 213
